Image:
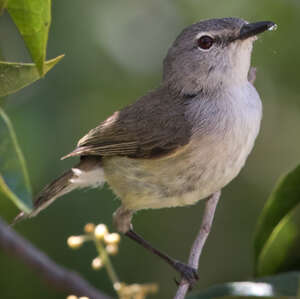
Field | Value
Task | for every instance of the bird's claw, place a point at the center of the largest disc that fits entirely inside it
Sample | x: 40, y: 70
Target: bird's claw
x: 187, y: 272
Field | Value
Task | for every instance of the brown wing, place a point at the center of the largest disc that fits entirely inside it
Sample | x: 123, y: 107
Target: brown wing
x: 153, y: 126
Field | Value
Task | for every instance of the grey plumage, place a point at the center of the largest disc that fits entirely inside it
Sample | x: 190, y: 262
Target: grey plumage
x: 183, y: 141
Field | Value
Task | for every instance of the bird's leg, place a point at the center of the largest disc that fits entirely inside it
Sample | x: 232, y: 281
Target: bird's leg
x: 189, y: 273
x: 122, y: 221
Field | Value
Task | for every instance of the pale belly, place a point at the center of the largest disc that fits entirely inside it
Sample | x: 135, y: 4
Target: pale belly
x: 193, y: 174
x: 204, y: 166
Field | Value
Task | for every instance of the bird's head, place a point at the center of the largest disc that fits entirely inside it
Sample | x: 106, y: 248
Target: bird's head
x: 211, y: 54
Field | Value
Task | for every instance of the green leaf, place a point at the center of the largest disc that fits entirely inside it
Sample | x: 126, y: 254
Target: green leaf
x: 274, y: 232
x: 273, y: 286
x: 33, y: 17
x: 14, y: 76
x: 14, y: 179
x: 277, y: 247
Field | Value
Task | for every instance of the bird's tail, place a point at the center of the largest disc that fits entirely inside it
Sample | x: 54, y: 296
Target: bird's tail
x: 88, y: 173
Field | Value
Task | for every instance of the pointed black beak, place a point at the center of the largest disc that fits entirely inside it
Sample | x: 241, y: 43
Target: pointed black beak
x: 253, y: 29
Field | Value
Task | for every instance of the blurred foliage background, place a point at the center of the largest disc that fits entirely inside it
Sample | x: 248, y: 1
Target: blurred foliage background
x: 114, y: 52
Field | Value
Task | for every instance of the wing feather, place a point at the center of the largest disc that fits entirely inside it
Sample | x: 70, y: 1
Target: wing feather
x: 153, y: 126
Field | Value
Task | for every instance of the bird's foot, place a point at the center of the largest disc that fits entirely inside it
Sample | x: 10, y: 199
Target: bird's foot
x: 187, y: 272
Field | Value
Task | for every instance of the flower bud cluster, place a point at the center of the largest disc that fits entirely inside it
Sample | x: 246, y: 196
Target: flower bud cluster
x: 108, y: 244
x: 109, y: 240
x: 99, y: 233
x: 135, y: 291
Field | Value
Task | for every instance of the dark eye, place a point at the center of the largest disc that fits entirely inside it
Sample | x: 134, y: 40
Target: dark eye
x: 205, y: 42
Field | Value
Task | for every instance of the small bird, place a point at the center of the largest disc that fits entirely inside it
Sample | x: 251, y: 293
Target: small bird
x: 181, y: 142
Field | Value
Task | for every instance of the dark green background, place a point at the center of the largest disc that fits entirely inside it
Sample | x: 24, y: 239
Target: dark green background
x: 114, y: 51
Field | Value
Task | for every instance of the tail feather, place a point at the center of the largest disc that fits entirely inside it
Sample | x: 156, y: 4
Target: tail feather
x: 87, y: 173
x: 57, y: 188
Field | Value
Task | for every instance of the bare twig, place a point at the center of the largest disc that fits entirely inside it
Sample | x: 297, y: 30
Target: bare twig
x: 199, y: 242
x: 59, y: 277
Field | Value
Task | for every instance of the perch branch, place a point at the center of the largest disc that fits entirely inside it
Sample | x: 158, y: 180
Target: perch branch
x: 57, y: 276
x: 208, y: 216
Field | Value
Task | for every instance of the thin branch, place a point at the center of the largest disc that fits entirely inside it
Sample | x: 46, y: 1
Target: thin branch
x: 60, y: 278
x: 208, y: 216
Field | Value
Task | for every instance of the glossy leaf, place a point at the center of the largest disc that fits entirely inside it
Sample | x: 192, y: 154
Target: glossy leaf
x: 14, y: 179
x: 33, y: 17
x: 277, y: 248
x: 14, y: 76
x: 274, y: 232
x: 274, y: 286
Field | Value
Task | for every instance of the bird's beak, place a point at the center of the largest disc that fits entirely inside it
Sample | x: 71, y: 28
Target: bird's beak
x: 253, y: 29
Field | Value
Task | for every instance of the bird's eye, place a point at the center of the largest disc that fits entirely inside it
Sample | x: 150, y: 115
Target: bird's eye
x: 205, y: 42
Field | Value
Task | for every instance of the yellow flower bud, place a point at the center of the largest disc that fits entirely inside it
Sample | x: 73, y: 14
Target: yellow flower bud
x: 89, y: 228
x: 112, y: 249
x: 100, y: 231
x: 97, y: 263
x: 75, y: 242
x: 113, y: 238
x: 72, y: 297
x: 118, y: 285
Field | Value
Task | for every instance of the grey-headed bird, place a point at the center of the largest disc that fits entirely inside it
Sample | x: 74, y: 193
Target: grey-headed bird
x: 181, y: 142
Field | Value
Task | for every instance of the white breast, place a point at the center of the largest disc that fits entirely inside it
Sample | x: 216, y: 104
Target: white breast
x: 230, y: 137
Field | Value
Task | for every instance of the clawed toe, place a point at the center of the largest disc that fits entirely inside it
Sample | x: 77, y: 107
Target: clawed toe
x: 187, y: 272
